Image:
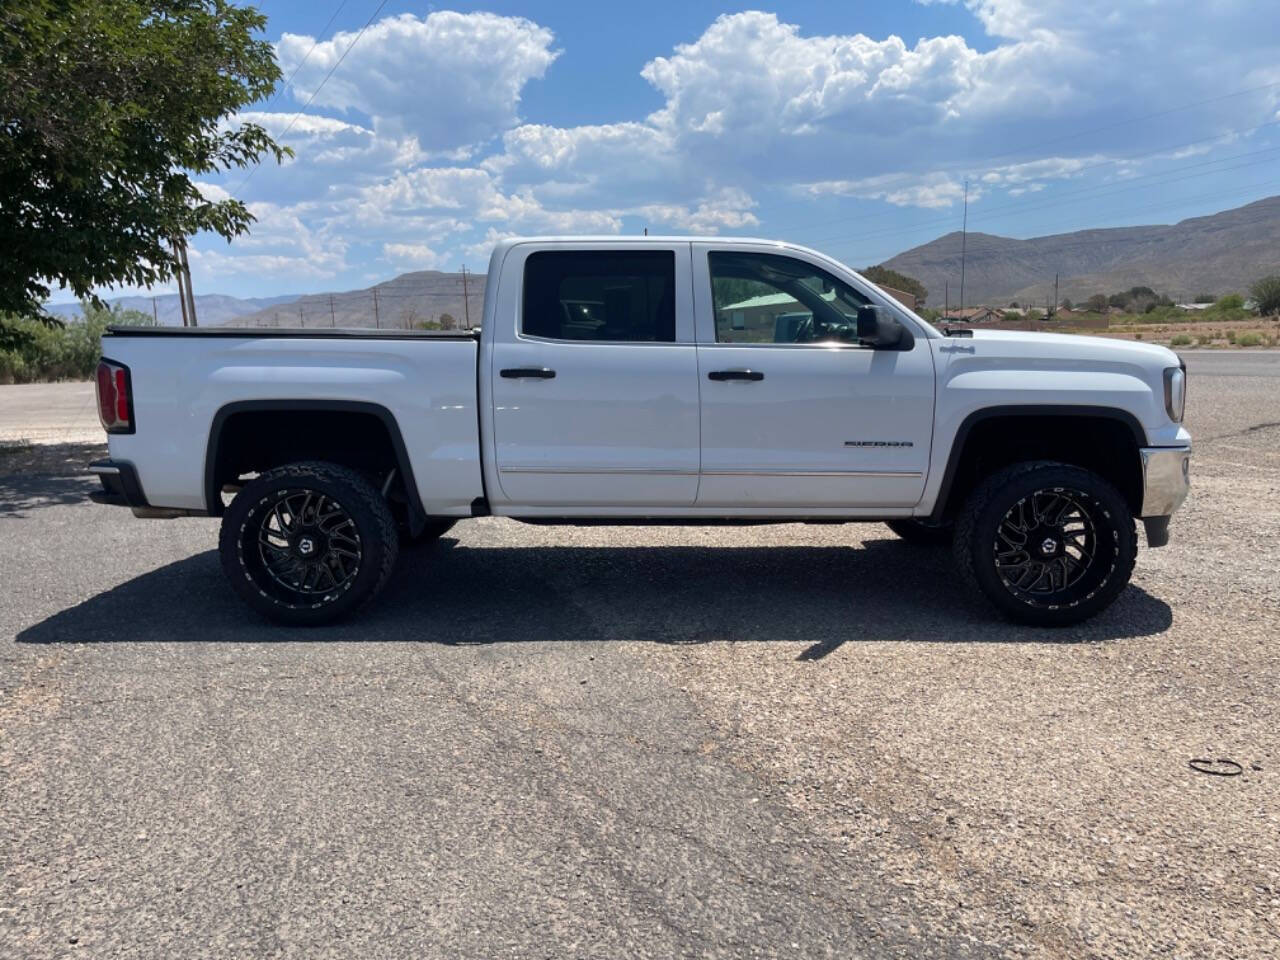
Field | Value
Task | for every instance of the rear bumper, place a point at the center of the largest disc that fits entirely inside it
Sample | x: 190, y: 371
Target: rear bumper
x: 121, y: 488
x: 1166, y: 479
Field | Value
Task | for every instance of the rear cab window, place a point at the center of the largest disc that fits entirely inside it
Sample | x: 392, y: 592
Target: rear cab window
x: 600, y: 296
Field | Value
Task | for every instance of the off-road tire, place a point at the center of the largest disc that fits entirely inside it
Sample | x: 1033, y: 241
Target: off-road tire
x: 993, y: 502
x: 921, y: 533
x: 246, y: 565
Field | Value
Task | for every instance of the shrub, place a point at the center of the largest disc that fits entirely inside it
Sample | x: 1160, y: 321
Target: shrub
x: 30, y: 351
x: 1137, y: 336
x: 1266, y: 294
x: 1230, y: 301
x: 1249, y: 340
x: 1231, y: 336
x: 1181, y: 340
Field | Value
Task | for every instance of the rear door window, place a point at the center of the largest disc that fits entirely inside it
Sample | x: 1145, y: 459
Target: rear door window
x: 600, y: 296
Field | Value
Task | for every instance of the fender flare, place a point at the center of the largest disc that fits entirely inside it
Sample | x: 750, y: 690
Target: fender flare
x: 213, y: 501
x: 1023, y: 410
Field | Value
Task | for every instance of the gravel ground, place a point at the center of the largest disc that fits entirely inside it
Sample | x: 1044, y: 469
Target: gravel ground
x: 546, y: 742
x: 1032, y: 787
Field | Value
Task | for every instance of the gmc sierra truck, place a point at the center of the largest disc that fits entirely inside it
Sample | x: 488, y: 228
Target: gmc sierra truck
x: 652, y: 380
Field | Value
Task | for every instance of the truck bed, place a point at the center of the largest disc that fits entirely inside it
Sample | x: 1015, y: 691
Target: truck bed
x: 310, y: 333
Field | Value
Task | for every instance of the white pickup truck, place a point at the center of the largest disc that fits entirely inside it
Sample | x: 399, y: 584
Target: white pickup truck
x: 669, y: 380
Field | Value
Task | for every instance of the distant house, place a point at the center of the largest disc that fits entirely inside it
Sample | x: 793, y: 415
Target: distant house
x: 975, y: 315
x: 908, y: 300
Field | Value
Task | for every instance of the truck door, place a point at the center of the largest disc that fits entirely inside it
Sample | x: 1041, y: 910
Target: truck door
x: 795, y: 412
x: 595, y: 380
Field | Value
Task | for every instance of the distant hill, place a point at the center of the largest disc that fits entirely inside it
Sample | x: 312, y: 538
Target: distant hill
x: 212, y: 309
x: 1217, y: 254
x: 405, y: 302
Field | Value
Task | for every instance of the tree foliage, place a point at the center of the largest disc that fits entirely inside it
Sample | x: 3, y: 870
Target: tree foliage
x: 31, y: 349
x: 106, y: 107
x: 1266, y: 294
x: 899, y: 281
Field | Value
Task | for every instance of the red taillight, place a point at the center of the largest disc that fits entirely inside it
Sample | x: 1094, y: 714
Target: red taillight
x: 122, y: 395
x: 113, y: 398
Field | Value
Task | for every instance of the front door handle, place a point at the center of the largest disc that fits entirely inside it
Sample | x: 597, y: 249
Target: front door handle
x: 533, y: 373
x: 735, y: 375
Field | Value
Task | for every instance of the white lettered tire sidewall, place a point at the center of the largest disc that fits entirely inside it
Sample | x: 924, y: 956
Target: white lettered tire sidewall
x: 375, y: 527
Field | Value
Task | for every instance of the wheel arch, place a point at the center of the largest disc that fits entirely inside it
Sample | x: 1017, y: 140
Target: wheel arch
x: 227, y: 427
x: 993, y: 437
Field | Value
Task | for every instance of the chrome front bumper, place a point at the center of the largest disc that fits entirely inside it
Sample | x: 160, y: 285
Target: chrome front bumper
x: 1166, y: 478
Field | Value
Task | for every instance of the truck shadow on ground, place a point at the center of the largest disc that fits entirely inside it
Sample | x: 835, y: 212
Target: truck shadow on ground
x: 817, y: 598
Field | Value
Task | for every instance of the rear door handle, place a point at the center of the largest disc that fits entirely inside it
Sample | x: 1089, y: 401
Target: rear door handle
x: 735, y: 375
x: 533, y: 373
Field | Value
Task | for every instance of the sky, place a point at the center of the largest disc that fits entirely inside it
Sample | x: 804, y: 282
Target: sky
x: 424, y: 132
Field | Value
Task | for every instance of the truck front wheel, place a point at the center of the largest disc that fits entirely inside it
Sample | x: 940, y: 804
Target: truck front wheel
x: 307, y: 543
x: 1049, y: 544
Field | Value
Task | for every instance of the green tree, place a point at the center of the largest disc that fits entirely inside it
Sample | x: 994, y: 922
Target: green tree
x: 1229, y: 301
x: 105, y: 107
x: 899, y: 281
x: 1097, y: 303
x: 1066, y: 304
x: 1266, y: 294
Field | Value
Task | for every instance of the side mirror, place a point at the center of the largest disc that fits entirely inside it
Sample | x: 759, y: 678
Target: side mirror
x: 879, y: 328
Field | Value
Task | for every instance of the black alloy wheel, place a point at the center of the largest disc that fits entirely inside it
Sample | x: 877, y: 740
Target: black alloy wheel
x: 1047, y: 543
x: 308, y: 546
x: 308, y: 543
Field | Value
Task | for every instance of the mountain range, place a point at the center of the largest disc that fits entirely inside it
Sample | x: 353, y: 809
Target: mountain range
x: 1217, y: 254
x: 404, y: 302
x: 211, y: 308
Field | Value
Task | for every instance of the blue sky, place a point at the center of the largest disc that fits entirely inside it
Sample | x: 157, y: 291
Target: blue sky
x: 850, y: 127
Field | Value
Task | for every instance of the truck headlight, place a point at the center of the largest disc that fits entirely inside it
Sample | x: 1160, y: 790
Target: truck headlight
x: 1175, y: 391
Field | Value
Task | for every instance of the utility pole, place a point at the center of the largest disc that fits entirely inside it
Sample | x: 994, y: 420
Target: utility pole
x: 377, y: 321
x: 155, y: 313
x: 177, y: 275
x: 466, y: 303
x: 186, y: 280
x: 333, y: 320
x: 946, y: 300
x: 964, y: 235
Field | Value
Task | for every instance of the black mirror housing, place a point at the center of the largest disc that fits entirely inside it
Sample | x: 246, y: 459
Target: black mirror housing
x: 879, y: 328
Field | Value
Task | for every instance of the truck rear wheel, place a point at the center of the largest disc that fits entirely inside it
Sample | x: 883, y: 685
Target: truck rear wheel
x: 308, y: 543
x: 1047, y: 543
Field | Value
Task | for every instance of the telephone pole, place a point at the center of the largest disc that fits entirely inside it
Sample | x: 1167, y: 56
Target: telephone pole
x: 333, y: 320
x: 155, y: 313
x: 1056, y: 301
x: 964, y: 235
x: 377, y: 321
x: 177, y: 275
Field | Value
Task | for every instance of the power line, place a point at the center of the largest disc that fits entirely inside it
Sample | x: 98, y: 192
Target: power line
x: 316, y: 91
x: 1094, y: 192
x: 301, y: 63
x: 1246, y: 189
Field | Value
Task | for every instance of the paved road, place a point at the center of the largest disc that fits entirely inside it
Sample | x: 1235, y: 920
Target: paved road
x: 65, y: 412
x: 639, y: 742
x: 48, y: 412
x: 1233, y: 363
